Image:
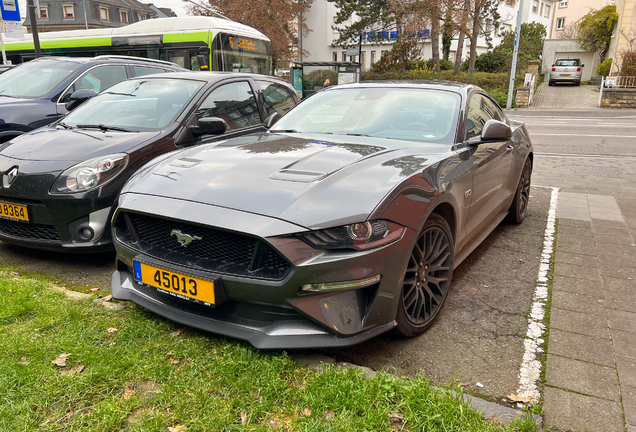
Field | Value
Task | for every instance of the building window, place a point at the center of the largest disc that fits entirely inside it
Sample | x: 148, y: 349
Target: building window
x: 563, y: 4
x: 44, y: 12
x: 335, y: 56
x: 560, y: 23
x: 123, y: 16
x: 142, y: 17
x: 344, y: 56
x: 541, y: 10
x: 488, y: 29
x: 353, y: 58
x: 103, y: 13
x: 546, y: 11
x: 372, y: 57
x: 69, y: 11
x: 535, y: 6
x: 333, y: 25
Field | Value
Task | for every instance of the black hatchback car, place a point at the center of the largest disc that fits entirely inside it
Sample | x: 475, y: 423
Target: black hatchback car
x: 58, y: 183
x: 34, y: 94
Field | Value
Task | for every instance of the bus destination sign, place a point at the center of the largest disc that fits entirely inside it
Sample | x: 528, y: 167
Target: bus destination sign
x: 138, y: 40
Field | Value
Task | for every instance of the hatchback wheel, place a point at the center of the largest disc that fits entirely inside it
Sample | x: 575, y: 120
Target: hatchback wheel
x: 519, y: 207
x: 427, y: 278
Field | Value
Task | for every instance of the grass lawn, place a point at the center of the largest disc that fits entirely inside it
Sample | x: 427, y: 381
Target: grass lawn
x: 130, y: 370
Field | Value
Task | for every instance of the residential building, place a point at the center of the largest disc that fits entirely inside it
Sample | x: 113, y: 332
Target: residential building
x: 321, y: 15
x: 624, y: 33
x: 568, y: 12
x: 56, y: 15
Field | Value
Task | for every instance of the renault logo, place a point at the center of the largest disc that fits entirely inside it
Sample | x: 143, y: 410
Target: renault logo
x: 184, y: 239
x: 11, y: 176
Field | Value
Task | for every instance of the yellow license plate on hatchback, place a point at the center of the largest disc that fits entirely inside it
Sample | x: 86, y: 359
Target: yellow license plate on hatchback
x: 14, y: 212
x: 176, y: 284
x: 565, y: 75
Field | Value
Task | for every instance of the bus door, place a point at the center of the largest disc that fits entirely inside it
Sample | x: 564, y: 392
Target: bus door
x: 180, y: 57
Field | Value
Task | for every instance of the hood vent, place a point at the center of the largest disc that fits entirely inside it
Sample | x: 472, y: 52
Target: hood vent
x: 297, y: 175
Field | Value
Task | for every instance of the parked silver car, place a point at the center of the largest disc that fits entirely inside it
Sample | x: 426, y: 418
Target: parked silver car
x: 566, y: 70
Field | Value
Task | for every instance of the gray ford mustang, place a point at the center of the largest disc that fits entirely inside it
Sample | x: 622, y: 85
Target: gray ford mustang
x: 344, y: 220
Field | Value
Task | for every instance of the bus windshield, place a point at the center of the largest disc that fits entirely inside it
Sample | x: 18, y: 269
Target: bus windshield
x: 232, y: 53
x: 36, y: 79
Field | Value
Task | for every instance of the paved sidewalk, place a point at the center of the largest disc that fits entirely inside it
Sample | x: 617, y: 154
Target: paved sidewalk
x: 565, y: 96
x: 591, y: 363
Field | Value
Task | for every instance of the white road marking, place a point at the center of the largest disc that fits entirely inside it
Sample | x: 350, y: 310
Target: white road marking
x: 584, y: 135
x: 530, y: 370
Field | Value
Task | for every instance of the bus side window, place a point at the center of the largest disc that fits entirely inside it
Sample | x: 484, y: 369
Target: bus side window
x: 97, y: 79
x: 277, y: 98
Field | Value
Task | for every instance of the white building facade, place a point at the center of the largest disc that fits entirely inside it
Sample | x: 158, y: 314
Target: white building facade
x: 320, y: 18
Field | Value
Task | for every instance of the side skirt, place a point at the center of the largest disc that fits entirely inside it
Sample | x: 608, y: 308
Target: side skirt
x: 478, y: 239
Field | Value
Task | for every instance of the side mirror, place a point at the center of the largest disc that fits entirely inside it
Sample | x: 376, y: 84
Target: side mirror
x: 78, y: 97
x: 582, y: 65
x: 494, y: 130
x: 209, y: 126
x: 269, y: 121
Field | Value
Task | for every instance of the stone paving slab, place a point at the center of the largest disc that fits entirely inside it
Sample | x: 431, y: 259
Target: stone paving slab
x: 626, y: 367
x: 629, y: 404
x: 580, y: 347
x: 565, y: 96
x: 565, y: 410
x: 584, y: 323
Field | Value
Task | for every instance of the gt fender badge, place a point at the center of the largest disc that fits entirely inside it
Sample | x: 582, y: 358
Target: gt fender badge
x: 184, y: 239
x: 468, y: 193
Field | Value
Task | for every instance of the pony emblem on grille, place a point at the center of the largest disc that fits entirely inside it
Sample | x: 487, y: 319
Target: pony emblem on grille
x: 184, y: 239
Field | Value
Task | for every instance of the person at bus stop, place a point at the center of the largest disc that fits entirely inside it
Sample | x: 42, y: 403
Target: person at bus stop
x: 327, y: 83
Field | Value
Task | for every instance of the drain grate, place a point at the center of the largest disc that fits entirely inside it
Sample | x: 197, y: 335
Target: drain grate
x: 588, y: 170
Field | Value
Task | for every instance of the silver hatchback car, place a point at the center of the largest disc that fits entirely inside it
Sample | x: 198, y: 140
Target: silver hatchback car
x: 566, y: 70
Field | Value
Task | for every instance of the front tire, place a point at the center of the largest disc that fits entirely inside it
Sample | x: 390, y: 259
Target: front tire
x: 519, y: 207
x: 427, y: 278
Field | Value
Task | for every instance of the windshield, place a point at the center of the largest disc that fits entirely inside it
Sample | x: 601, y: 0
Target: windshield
x: 35, y: 79
x: 567, y: 63
x: 397, y: 113
x: 139, y: 105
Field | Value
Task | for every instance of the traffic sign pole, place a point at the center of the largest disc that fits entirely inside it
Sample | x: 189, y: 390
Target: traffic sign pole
x: 34, y: 28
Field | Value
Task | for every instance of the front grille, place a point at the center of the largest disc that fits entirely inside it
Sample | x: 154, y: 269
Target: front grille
x: 217, y: 250
x: 28, y: 231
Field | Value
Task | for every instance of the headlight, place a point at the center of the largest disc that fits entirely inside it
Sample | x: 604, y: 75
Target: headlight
x: 358, y: 236
x: 90, y: 174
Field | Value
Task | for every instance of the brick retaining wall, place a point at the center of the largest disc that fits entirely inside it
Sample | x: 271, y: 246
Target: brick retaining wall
x: 619, y: 98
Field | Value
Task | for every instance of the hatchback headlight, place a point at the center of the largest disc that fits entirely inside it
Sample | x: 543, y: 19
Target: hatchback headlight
x: 358, y: 236
x: 90, y: 174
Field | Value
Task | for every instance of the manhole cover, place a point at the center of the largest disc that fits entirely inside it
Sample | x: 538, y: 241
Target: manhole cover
x: 587, y: 170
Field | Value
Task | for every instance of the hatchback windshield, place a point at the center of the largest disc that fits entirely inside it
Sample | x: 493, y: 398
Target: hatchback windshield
x: 567, y: 63
x: 396, y: 113
x: 138, y: 105
x: 35, y: 79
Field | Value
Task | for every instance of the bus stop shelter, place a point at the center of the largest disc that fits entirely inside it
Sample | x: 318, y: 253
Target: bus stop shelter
x: 310, y: 77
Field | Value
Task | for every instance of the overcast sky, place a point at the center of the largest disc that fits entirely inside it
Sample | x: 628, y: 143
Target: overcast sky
x: 175, y: 5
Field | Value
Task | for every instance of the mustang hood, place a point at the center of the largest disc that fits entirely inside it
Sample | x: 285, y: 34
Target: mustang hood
x: 72, y: 145
x: 297, y: 178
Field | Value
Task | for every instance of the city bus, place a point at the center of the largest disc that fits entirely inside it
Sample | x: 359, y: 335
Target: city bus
x: 196, y: 43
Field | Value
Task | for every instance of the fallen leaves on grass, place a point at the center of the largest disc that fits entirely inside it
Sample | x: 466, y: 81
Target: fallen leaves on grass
x: 307, y: 412
x: 395, y: 418
x: 128, y: 393
x: 111, y: 329
x: 514, y: 398
x: 179, y: 428
x: 243, y: 417
x: 24, y: 361
x: 73, y: 371
x: 173, y: 361
x: 108, y: 298
x: 61, y: 360
x: 177, y: 332
x: 93, y: 290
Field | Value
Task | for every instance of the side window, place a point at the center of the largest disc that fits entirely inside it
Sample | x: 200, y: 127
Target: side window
x: 277, y: 98
x: 493, y: 110
x: 478, y: 114
x: 97, y: 79
x: 145, y: 70
x: 235, y: 103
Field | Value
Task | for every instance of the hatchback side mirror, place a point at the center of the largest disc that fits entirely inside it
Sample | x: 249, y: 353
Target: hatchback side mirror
x: 582, y: 65
x: 269, y: 121
x: 209, y: 126
x: 78, y: 97
x: 495, y: 130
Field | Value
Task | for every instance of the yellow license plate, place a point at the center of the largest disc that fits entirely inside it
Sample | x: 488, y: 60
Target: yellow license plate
x: 13, y: 212
x: 565, y: 75
x: 177, y: 284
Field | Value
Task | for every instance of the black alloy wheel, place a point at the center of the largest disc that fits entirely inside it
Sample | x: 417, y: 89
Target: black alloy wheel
x: 427, y: 279
x: 519, y: 207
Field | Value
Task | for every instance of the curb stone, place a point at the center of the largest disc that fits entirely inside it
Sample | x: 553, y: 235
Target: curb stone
x: 504, y: 415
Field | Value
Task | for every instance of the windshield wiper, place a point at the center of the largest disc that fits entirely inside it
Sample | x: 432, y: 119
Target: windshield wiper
x: 358, y: 134
x: 103, y: 127
x: 65, y: 126
x: 284, y: 130
x: 120, y: 94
